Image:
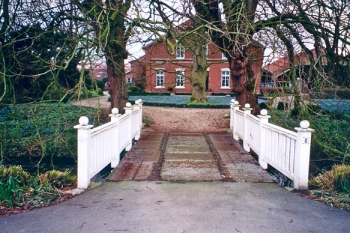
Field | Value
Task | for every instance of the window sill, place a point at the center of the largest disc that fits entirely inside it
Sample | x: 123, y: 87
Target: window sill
x: 159, y: 87
x: 180, y: 58
x: 225, y: 88
x: 180, y: 87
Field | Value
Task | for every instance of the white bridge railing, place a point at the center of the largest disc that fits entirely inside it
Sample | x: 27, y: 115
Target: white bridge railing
x: 102, y: 145
x: 285, y: 150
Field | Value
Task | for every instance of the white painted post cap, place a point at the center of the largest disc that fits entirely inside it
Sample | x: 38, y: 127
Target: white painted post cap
x: 263, y: 112
x: 83, y: 121
x: 236, y: 102
x: 128, y: 105
x: 115, y: 111
x: 247, y: 105
x: 304, y: 124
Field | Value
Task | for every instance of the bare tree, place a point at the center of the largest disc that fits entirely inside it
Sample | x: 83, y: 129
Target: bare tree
x: 193, y: 36
x: 109, y: 20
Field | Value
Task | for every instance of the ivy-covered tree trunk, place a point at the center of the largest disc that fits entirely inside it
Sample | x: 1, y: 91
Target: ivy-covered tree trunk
x: 112, y: 33
x: 116, y: 53
x: 116, y: 83
x: 199, y: 74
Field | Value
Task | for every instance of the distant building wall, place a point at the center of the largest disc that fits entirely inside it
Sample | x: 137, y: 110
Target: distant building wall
x: 159, y: 64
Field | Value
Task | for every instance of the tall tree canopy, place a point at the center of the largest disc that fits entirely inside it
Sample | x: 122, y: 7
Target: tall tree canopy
x: 293, y: 22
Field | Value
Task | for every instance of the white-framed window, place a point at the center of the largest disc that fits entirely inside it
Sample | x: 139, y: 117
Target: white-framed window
x: 180, y: 78
x: 160, y: 78
x: 225, y: 78
x: 129, y: 80
x: 180, y: 51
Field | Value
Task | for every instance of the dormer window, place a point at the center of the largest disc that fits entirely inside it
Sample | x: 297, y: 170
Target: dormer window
x: 180, y: 52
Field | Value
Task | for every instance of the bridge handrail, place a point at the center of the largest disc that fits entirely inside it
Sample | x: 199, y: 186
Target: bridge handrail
x: 102, y: 145
x: 285, y: 150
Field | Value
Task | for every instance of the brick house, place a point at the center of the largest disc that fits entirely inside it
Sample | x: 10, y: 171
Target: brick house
x: 279, y: 69
x: 159, y: 71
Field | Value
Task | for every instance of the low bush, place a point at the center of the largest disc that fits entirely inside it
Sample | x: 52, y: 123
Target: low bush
x: 333, y: 187
x: 19, y: 189
x: 58, y: 179
x: 282, y: 106
x: 182, y: 101
x: 133, y: 89
x: 342, y: 178
x: 42, y: 129
x: 146, y: 120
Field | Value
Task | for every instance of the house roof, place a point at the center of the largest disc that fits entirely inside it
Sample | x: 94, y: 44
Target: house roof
x: 281, y: 65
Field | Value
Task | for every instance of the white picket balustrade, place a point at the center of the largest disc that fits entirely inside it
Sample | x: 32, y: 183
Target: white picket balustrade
x: 102, y: 145
x: 285, y: 150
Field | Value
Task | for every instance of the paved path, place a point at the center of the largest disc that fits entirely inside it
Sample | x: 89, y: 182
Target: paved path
x: 181, y: 156
x: 176, y: 207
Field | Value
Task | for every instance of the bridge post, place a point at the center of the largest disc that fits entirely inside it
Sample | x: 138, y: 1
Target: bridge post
x: 128, y: 110
x: 263, y: 119
x: 115, y: 118
x: 138, y: 106
x: 247, y: 111
x: 233, y: 118
x: 232, y: 105
x: 302, y: 155
x: 83, y: 151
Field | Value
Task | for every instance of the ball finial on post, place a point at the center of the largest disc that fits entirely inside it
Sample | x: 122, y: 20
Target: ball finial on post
x: 83, y: 121
x: 263, y: 112
x: 304, y: 124
x: 115, y: 111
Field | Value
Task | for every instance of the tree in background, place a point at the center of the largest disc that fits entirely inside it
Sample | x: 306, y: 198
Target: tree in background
x: 192, y: 35
x: 231, y: 30
x: 111, y: 33
x: 40, y: 51
x: 313, y: 36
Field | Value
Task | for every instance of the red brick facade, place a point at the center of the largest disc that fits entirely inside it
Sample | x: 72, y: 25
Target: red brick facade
x: 159, y: 65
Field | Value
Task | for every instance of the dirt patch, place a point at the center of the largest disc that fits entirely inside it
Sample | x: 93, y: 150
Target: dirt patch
x: 165, y: 119
x: 187, y: 119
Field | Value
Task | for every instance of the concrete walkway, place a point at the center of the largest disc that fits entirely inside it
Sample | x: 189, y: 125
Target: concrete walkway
x: 163, y: 206
x: 160, y: 188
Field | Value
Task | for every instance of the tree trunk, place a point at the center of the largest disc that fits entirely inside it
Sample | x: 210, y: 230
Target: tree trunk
x: 116, y: 53
x: 117, y: 85
x: 243, y: 80
x: 199, y: 74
